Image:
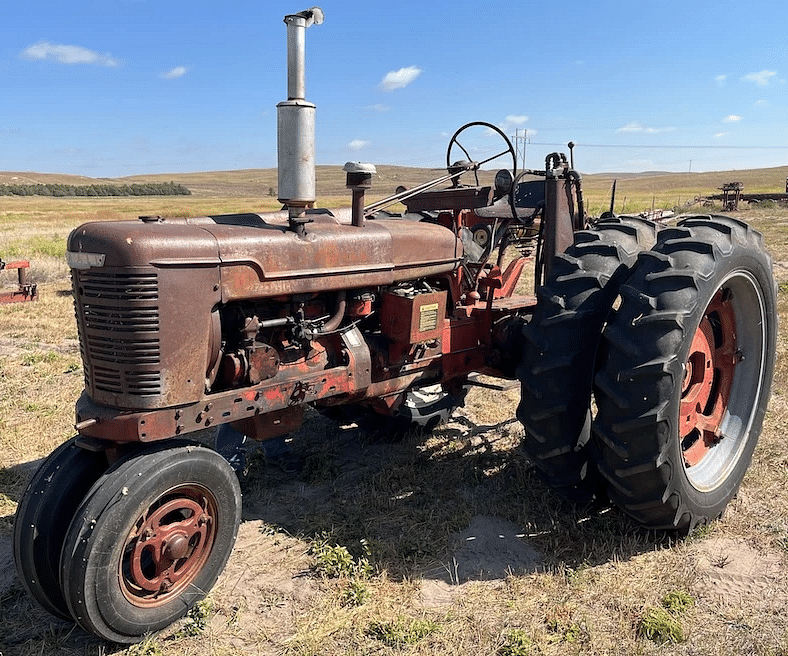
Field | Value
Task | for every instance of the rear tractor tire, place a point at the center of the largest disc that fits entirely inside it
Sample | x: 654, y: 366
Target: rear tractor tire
x: 149, y: 540
x: 426, y: 408
x: 684, y: 389
x: 561, y: 347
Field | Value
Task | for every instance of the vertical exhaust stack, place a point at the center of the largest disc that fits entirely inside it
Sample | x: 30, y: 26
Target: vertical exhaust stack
x: 296, y: 122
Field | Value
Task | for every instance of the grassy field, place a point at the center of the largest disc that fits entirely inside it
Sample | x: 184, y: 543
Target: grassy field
x: 365, y: 551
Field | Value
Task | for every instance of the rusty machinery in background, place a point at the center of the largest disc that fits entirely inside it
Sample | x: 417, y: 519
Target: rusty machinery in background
x: 239, y: 322
x: 733, y: 193
x: 25, y: 291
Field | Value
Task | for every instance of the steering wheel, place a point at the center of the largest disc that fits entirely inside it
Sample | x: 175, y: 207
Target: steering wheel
x: 477, y: 165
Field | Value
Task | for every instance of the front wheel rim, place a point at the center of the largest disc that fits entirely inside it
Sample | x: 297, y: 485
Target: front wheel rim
x: 723, y: 381
x: 168, y: 545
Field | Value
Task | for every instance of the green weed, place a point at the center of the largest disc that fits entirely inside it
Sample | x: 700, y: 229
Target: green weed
x: 197, y: 619
x: 30, y: 359
x: 402, y: 631
x: 148, y: 647
x: 516, y: 643
x: 356, y: 594
x: 659, y: 625
x: 333, y: 561
x: 677, y: 601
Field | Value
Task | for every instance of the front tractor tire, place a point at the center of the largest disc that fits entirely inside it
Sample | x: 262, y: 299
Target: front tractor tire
x: 149, y: 540
x: 43, y: 517
x: 684, y: 390
x: 560, y: 354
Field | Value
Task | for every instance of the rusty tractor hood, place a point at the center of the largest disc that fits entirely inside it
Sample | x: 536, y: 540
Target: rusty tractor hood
x: 258, y: 255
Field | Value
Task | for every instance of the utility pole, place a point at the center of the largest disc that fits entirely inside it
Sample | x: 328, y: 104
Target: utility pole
x: 520, y: 146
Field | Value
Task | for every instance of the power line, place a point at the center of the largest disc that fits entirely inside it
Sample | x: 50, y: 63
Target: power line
x: 663, y: 147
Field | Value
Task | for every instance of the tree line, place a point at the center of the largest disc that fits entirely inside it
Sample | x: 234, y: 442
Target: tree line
x: 143, y: 189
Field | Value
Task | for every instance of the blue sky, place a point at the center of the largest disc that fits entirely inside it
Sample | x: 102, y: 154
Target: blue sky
x: 123, y: 87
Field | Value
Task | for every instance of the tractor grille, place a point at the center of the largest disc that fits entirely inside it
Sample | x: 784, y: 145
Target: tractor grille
x: 118, y: 320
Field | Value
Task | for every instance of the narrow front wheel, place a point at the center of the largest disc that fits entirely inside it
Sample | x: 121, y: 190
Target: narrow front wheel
x: 150, y: 540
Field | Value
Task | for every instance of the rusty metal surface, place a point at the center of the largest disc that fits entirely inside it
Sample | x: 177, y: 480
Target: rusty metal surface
x: 559, y: 223
x: 413, y: 320
x: 146, y: 333
x: 25, y: 290
x: 458, y: 352
x: 455, y: 199
x: 331, y: 256
x: 295, y: 384
x: 261, y: 258
x: 145, y: 317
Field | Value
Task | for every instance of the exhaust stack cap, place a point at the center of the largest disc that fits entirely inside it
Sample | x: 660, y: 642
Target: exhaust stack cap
x: 313, y: 16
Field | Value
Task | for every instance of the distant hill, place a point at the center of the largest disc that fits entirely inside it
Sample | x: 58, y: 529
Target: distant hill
x: 666, y: 188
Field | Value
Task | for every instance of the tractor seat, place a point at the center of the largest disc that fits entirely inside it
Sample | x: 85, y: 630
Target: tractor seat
x: 502, y: 211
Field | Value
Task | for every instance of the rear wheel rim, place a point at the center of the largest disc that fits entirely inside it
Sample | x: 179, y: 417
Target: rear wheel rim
x: 723, y: 380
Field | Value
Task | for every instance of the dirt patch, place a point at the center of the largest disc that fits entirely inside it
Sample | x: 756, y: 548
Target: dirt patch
x: 265, y: 582
x: 490, y: 549
x: 731, y: 571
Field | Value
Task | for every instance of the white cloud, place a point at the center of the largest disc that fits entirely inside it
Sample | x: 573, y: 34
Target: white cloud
x: 66, y: 54
x: 357, y: 144
x: 721, y: 134
x: 761, y: 103
x: 400, y: 79
x: 762, y: 79
x: 512, y: 122
x: 379, y: 107
x: 174, y: 73
x: 639, y: 127
x: 721, y: 80
x: 732, y: 118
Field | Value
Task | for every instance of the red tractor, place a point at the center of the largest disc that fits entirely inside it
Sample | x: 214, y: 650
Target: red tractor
x: 244, y: 320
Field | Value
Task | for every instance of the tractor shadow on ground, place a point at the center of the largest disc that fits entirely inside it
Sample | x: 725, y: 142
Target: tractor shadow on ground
x: 461, y: 503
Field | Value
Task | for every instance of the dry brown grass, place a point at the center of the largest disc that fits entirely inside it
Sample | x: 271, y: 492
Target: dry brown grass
x: 400, y: 505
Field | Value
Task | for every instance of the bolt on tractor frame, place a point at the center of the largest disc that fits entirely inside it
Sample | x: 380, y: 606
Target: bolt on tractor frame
x: 239, y: 322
